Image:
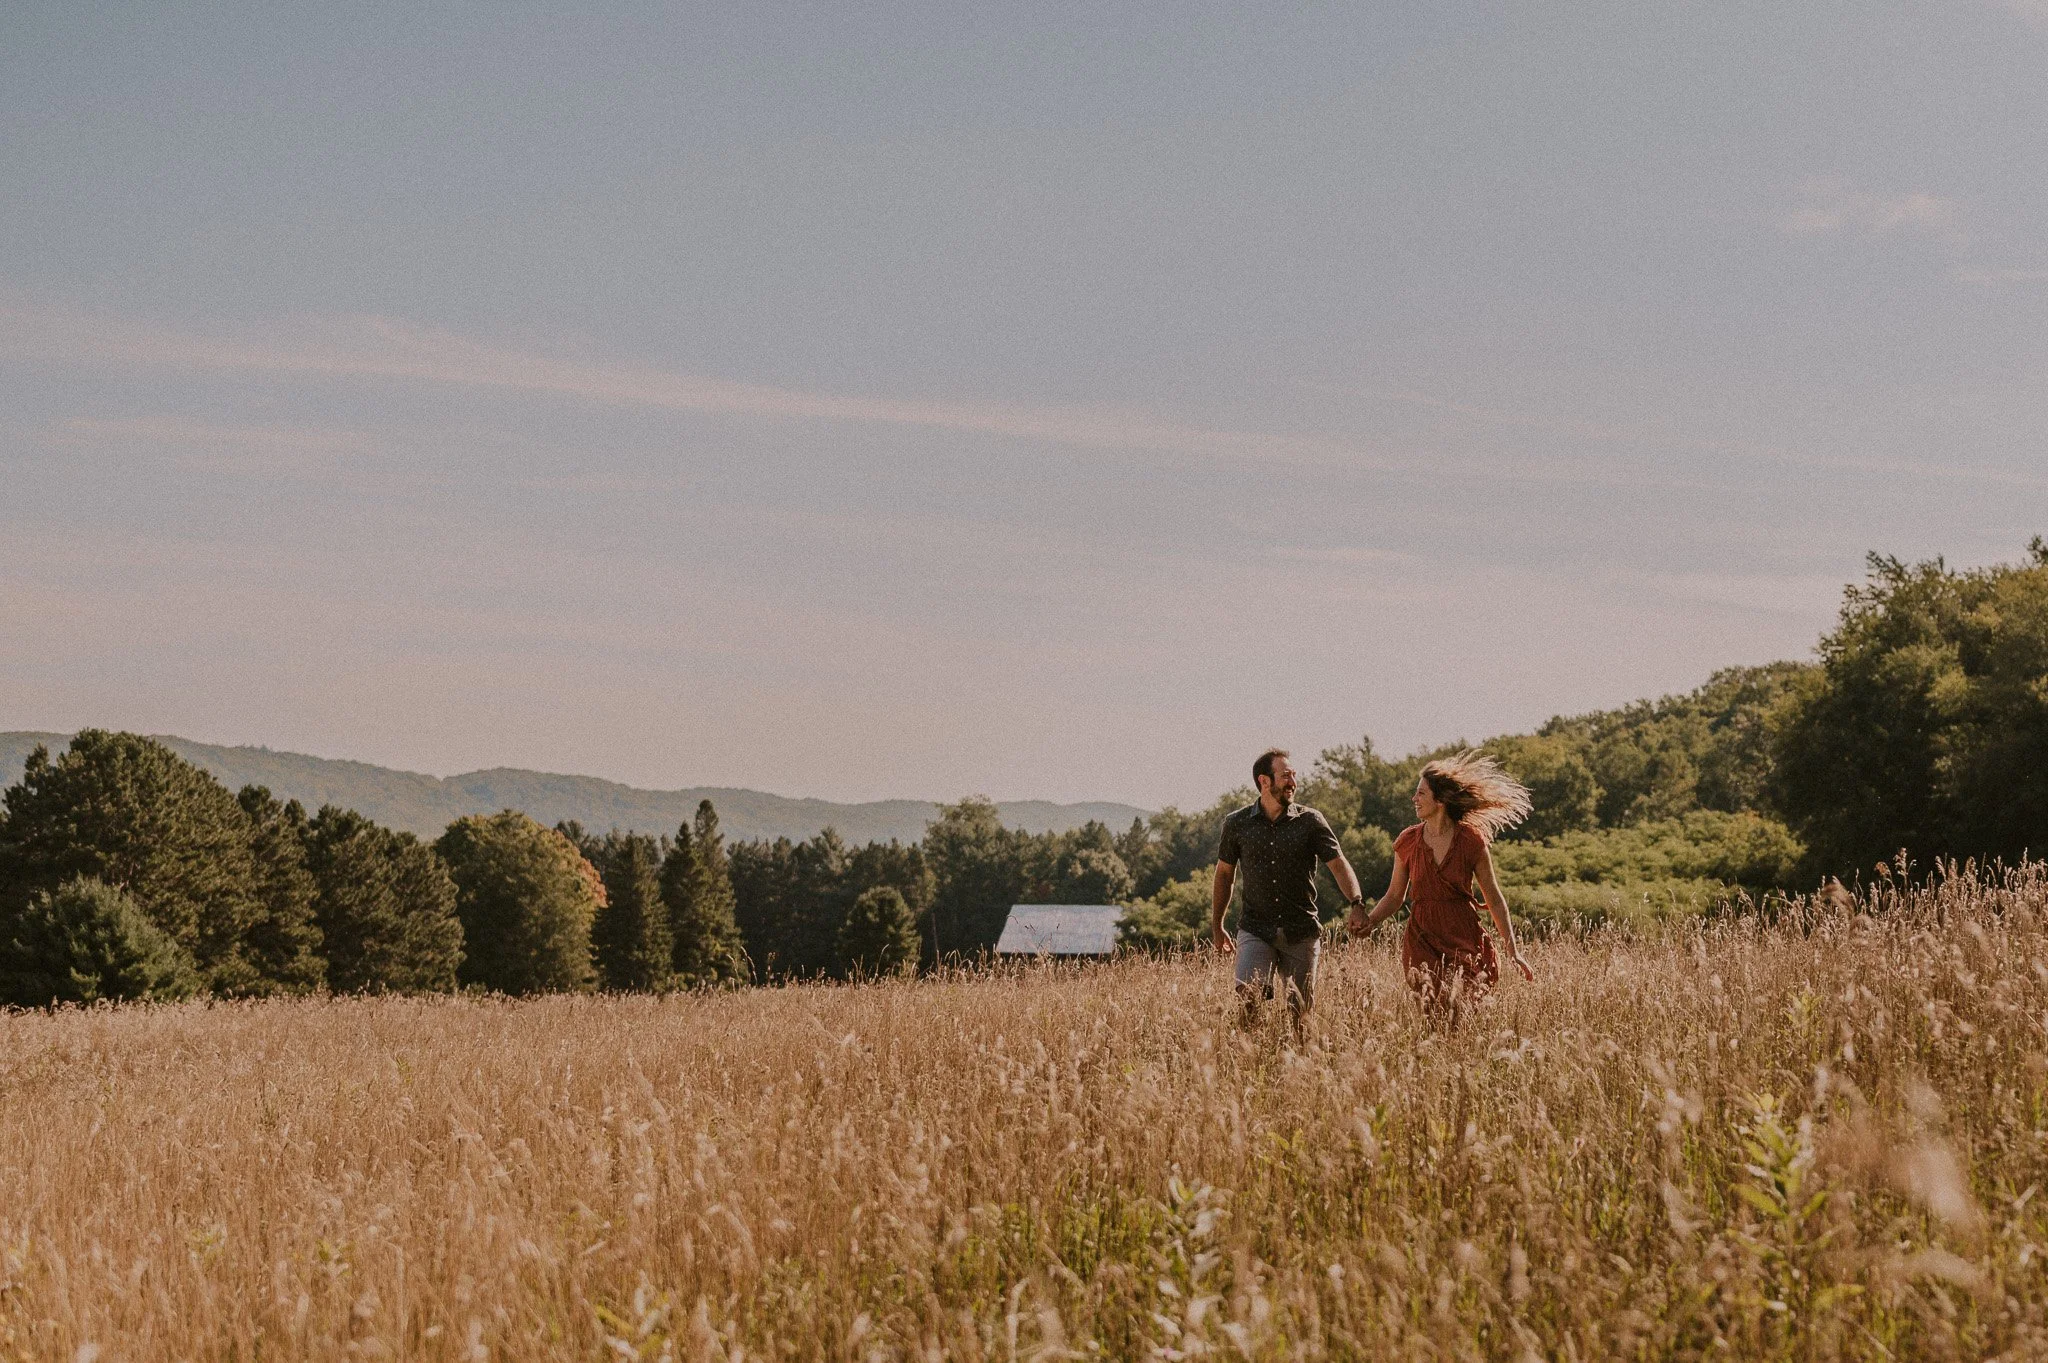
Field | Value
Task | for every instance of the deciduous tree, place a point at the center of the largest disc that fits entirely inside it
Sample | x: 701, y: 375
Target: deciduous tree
x: 526, y: 899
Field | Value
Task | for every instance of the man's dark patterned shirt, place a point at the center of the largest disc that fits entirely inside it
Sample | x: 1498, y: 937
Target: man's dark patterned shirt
x: 1276, y: 862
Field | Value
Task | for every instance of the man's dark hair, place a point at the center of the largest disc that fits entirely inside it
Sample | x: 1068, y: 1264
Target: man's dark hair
x: 1264, y: 766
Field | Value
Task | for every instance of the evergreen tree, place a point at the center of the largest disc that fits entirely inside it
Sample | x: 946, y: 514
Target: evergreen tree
x: 385, y: 906
x: 901, y: 867
x: 697, y: 889
x: 980, y: 870
x: 284, y: 944
x: 85, y: 942
x: 877, y: 937
x: 1178, y: 845
x: 631, y: 938
x: 128, y: 811
x: 526, y: 899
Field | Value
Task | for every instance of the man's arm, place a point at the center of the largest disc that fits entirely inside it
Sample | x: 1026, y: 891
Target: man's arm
x: 1219, y: 901
x: 1347, y: 879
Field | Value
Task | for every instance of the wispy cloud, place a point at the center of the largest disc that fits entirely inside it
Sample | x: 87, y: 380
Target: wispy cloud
x: 216, y: 448
x: 1834, y: 206
x: 387, y: 349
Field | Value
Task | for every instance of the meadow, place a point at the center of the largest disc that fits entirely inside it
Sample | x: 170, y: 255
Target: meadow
x: 1820, y: 1136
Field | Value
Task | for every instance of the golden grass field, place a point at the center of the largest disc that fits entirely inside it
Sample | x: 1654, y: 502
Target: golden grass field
x: 1736, y: 1140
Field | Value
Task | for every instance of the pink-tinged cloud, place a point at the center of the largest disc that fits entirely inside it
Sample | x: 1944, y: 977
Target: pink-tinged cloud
x: 1833, y: 206
x: 383, y: 348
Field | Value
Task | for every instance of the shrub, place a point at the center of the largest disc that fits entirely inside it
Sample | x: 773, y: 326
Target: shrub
x: 878, y: 936
x: 85, y: 942
x: 1176, y: 916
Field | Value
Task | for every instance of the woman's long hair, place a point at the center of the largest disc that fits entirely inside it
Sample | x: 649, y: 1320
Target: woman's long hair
x: 1475, y: 792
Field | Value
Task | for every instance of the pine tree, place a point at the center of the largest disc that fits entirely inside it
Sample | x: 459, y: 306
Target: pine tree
x: 634, y: 947
x: 526, y: 899
x: 981, y: 871
x: 385, y: 906
x: 284, y: 944
x: 86, y: 942
x: 696, y: 886
x: 126, y: 810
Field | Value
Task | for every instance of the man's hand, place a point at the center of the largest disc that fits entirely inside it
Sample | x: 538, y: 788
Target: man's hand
x: 1356, y: 921
x: 1223, y: 941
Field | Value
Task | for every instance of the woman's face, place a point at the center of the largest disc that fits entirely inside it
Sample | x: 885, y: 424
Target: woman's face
x: 1426, y: 804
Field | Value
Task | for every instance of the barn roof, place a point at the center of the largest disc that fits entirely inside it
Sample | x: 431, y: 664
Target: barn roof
x: 1060, y: 930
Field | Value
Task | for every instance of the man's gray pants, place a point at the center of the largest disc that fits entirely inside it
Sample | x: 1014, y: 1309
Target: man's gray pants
x: 1294, y: 963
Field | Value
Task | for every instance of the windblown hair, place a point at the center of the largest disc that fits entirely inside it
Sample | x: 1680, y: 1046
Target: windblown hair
x: 1475, y: 792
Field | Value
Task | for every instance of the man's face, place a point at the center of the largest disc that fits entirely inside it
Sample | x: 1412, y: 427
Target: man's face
x: 1283, y: 780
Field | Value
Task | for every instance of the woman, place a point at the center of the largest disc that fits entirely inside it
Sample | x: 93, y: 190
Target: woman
x: 1462, y: 801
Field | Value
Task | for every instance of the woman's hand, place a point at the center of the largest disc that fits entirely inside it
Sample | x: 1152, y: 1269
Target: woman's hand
x: 1523, y: 966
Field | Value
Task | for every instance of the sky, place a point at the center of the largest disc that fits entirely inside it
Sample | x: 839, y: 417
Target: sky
x: 1040, y: 400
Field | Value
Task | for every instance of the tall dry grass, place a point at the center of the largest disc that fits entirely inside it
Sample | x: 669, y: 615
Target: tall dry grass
x: 1824, y: 1138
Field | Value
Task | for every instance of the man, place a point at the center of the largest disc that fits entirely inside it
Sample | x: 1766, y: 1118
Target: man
x: 1278, y: 842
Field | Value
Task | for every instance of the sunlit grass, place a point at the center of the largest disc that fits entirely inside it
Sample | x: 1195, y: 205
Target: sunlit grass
x: 1825, y: 1137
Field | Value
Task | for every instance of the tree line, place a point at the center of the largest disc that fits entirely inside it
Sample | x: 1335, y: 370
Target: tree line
x: 128, y: 872
x: 1921, y: 729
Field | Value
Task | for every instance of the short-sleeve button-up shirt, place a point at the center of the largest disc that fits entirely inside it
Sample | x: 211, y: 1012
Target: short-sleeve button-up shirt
x: 1276, y: 862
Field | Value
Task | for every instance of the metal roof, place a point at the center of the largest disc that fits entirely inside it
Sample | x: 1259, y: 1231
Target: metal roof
x: 1060, y: 930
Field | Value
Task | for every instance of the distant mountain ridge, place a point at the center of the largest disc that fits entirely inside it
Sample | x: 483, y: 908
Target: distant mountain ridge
x: 427, y: 804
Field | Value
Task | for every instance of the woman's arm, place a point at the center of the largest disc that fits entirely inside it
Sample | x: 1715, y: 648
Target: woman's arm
x: 1497, y: 905
x: 1389, y: 903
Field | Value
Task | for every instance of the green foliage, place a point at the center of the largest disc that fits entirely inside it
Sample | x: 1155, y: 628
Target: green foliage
x: 1664, y: 869
x: 980, y: 869
x: 1926, y: 727
x: 1355, y: 787
x: 1560, y: 781
x: 526, y: 899
x: 1736, y: 849
x: 1080, y: 867
x: 630, y: 938
x: 284, y: 943
x: 697, y: 889
x: 878, y: 936
x: 128, y: 811
x: 86, y: 942
x: 385, y: 905
x: 900, y: 866
x: 790, y: 900
x: 1173, y: 917
x: 794, y: 898
x: 1706, y: 749
x: 1370, y: 850
x: 1172, y: 846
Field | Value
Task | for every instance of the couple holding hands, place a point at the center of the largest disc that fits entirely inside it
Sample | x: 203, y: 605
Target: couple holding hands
x: 1462, y: 802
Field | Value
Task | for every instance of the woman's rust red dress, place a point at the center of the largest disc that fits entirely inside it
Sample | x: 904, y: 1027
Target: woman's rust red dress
x: 1444, y: 945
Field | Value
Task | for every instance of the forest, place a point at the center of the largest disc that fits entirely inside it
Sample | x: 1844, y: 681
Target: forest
x: 1917, y: 735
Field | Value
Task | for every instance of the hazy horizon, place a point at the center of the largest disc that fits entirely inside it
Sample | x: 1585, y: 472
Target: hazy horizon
x: 1059, y: 403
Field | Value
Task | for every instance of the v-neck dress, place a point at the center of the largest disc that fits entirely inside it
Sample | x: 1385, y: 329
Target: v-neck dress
x: 1444, y: 939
